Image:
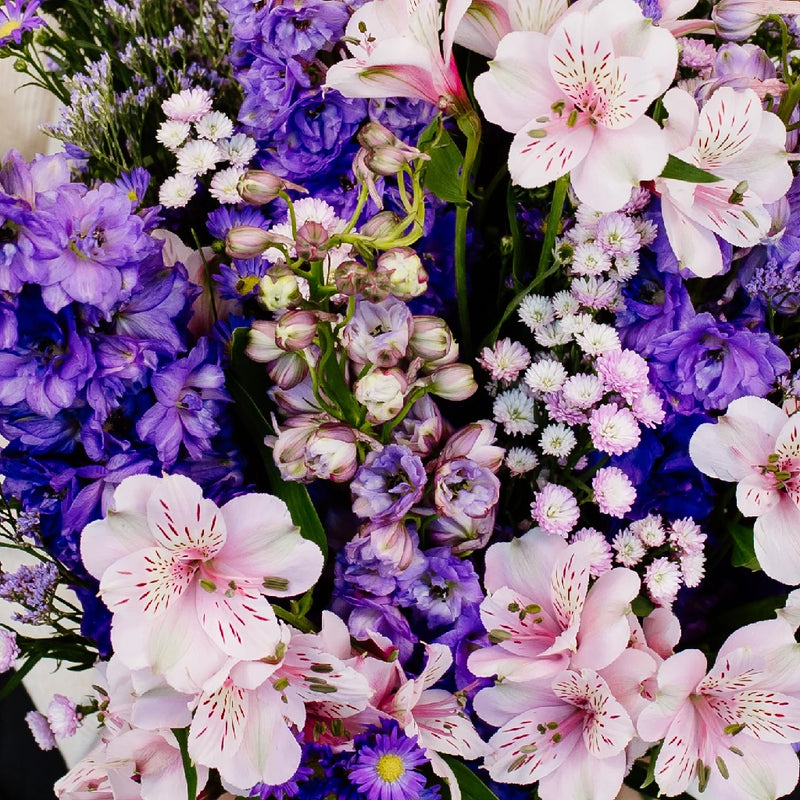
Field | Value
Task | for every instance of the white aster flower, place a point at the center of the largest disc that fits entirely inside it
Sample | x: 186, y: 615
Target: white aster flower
x: 663, y: 580
x: 224, y: 183
x: 590, y: 259
x: 214, y: 126
x: 594, y: 292
x: 565, y: 304
x: 177, y: 191
x: 616, y: 234
x: 198, y: 157
x: 514, y: 411
x: 580, y: 234
x: 650, y: 530
x: 239, y: 149
x: 189, y: 105
x: 693, y: 568
x: 520, y: 460
x: 582, y: 390
x: 545, y: 376
x: 536, y: 311
x: 557, y: 440
x: 598, y: 339
x: 172, y: 134
x: 625, y: 267
x: 647, y: 230
x: 574, y: 323
x: 629, y: 548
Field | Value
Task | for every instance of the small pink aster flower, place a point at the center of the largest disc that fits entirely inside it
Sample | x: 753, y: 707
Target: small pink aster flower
x: 590, y: 259
x: 623, y: 371
x: 650, y: 530
x: 693, y: 568
x: 583, y: 391
x: 40, y: 728
x: 663, y: 579
x: 555, y: 509
x: 9, y: 650
x: 505, y: 360
x: 545, y: 376
x: 629, y: 548
x: 594, y: 292
x: 613, y: 429
x: 696, y: 54
x: 613, y: 492
x: 190, y: 105
x: 685, y: 535
x: 617, y: 234
x: 601, y: 555
x: 648, y: 409
x: 62, y: 716
x: 560, y: 410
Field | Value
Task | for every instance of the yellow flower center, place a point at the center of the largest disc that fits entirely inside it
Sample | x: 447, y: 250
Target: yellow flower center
x: 8, y: 27
x: 390, y: 768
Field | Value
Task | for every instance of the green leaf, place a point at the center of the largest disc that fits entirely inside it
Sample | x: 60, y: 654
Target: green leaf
x: 446, y: 161
x: 744, y: 554
x: 247, y: 383
x: 650, y: 777
x: 182, y: 736
x: 679, y: 170
x: 642, y: 606
x: 472, y: 787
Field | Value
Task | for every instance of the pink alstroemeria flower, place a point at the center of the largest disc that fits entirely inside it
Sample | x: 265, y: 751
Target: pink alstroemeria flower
x: 186, y: 580
x: 576, y: 100
x: 728, y: 734
x: 397, y: 53
x: 486, y: 22
x: 544, y: 616
x: 757, y: 445
x: 735, y: 139
x: 571, y: 739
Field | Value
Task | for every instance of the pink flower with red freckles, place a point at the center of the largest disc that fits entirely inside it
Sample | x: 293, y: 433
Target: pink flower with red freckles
x: 757, y: 445
x: 186, y: 579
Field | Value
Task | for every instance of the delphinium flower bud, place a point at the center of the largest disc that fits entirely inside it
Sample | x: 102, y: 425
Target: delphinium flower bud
x: 296, y: 329
x: 311, y: 241
x: 382, y: 392
x: 432, y: 341
x: 258, y: 187
x: 279, y: 290
x: 737, y: 20
x: 247, y: 241
x: 407, y: 276
x: 381, y: 225
x: 453, y: 382
x: 331, y: 452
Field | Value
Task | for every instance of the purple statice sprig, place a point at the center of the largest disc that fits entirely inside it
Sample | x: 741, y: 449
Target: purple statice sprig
x: 32, y: 587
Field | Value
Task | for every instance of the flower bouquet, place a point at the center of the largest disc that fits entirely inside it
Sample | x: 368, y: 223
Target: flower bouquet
x: 399, y: 396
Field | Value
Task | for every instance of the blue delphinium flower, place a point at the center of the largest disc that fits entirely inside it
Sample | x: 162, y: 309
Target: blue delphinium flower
x: 709, y: 363
x: 303, y: 28
x: 384, y: 767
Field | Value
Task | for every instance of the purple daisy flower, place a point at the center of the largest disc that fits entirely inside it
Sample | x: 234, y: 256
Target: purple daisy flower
x: 385, y: 770
x: 16, y: 17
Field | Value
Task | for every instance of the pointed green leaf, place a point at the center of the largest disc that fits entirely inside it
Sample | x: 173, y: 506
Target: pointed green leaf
x: 679, y: 170
x: 443, y: 170
x: 472, y: 787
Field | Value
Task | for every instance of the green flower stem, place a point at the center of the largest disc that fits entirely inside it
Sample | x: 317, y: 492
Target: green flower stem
x: 470, y: 126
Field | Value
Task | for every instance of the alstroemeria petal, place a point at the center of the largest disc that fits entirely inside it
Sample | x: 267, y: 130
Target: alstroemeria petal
x: 777, y: 543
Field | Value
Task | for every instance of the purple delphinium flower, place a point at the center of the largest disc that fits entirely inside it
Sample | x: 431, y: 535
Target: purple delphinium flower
x: 710, y: 363
x: 31, y: 587
x: 383, y: 767
x: 463, y: 487
x: 50, y: 364
x: 655, y: 303
x: 188, y: 393
x: 303, y: 28
x: 388, y: 484
x: 91, y: 242
x: 442, y: 592
x: 17, y: 17
x: 378, y: 333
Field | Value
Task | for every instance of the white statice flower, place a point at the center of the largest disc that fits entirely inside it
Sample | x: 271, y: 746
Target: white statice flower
x: 536, y: 311
x: 583, y: 390
x: 590, y: 259
x: 557, y: 440
x: 520, y: 460
x: 597, y: 339
x: 214, y: 126
x: 188, y: 105
x: 628, y: 547
x: 177, y: 191
x: 514, y: 410
x: 565, y: 304
x: 240, y: 149
x: 545, y: 376
x: 625, y: 267
x: 198, y: 157
x: 650, y: 530
x: 172, y: 134
x: 663, y: 580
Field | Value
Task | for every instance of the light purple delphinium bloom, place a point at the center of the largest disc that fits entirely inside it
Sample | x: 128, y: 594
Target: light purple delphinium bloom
x: 302, y: 28
x: 91, y: 244
x: 378, y: 333
x: 447, y: 586
x: 388, y: 484
x: 463, y: 487
x: 188, y: 393
x: 710, y: 363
